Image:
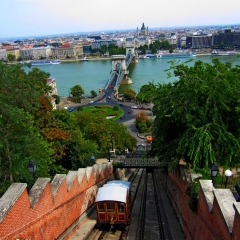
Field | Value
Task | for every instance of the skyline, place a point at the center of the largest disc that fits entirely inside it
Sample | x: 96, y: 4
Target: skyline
x: 25, y: 18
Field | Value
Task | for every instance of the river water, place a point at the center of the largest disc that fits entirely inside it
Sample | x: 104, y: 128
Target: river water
x: 92, y: 75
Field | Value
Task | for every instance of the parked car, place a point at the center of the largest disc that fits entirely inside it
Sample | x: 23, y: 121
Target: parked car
x: 134, y: 107
x: 90, y: 102
x: 121, y: 104
x: 71, y: 109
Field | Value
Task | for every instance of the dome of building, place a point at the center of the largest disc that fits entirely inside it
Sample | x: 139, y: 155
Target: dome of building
x: 143, y: 27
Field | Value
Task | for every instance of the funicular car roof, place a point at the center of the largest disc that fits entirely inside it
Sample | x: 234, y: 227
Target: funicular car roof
x: 112, y: 193
x: 120, y: 183
x: 117, y: 184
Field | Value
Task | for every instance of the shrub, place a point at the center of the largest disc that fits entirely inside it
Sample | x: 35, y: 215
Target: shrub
x: 193, y: 192
x: 79, y: 108
x: 57, y: 99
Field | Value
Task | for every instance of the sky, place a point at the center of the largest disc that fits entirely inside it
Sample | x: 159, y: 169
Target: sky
x: 23, y: 18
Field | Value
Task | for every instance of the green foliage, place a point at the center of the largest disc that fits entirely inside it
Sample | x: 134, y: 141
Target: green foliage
x: 97, y: 128
x: 115, y: 50
x: 193, y: 192
x: 197, y: 116
x: 117, y: 165
x: 143, y: 123
x: 143, y: 49
x: 146, y: 93
x: 129, y: 94
x: 79, y: 108
x: 115, y: 108
x: 11, y: 57
x: 93, y: 94
x: 57, y: 99
x: 77, y: 91
x: 103, y: 49
x: 20, y: 141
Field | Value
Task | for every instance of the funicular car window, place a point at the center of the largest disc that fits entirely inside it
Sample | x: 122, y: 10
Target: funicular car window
x: 120, y: 207
x: 110, y: 207
x: 101, y: 207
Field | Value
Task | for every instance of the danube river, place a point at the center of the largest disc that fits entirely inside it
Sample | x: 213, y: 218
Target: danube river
x: 92, y: 75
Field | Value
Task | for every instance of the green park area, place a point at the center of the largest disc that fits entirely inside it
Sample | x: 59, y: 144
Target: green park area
x: 110, y: 112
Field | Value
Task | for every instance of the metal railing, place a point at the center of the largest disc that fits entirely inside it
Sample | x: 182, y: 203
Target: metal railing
x: 227, y: 182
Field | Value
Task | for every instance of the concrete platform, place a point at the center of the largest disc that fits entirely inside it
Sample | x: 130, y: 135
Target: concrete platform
x: 85, y: 229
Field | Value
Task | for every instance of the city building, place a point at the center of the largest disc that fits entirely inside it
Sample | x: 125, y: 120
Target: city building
x: 3, y: 54
x: 228, y: 37
x: 52, y: 83
x: 143, y: 31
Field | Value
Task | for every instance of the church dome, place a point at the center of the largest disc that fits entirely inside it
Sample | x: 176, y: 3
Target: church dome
x: 143, y: 27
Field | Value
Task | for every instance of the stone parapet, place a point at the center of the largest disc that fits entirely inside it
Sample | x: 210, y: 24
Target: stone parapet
x: 217, y: 215
x: 50, y: 207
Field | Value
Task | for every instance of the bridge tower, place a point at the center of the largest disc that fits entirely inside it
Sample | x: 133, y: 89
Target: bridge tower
x: 118, y: 62
x: 130, y: 50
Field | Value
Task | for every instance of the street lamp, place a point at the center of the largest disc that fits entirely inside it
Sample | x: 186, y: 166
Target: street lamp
x: 228, y: 173
x: 108, y: 152
x: 92, y: 159
x: 214, y: 171
x: 111, y: 134
x: 32, y: 167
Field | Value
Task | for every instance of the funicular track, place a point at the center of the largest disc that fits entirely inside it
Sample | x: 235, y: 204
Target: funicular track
x: 151, y: 223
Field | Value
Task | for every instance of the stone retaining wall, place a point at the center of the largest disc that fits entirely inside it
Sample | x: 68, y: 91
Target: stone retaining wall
x: 50, y: 207
x: 218, y: 213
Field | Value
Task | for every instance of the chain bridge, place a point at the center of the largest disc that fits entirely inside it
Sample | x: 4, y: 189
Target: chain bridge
x: 119, y: 72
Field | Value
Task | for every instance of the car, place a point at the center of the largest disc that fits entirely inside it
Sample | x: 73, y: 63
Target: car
x: 135, y: 107
x: 129, y: 111
x: 71, y: 109
x: 109, y: 97
x: 121, y: 104
x: 100, y: 99
x: 122, y: 117
x: 90, y: 102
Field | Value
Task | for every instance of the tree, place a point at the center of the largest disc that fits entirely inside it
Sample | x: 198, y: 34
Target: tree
x: 197, y: 117
x: 20, y: 141
x: 57, y: 99
x: 11, y: 57
x: 103, y: 49
x: 143, y: 49
x: 93, y: 94
x: 146, y: 93
x: 77, y: 92
x: 96, y: 128
x: 165, y: 45
x: 129, y: 94
x: 143, y: 123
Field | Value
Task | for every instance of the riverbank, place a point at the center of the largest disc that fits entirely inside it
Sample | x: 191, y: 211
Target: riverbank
x: 88, y: 58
